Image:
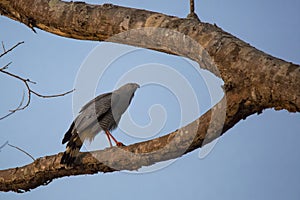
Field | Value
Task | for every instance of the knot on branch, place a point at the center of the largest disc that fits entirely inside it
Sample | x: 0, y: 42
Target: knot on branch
x: 193, y: 16
x: 124, y: 25
x: 108, y: 5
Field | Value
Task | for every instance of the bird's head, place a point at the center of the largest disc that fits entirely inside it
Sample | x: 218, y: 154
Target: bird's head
x: 122, y: 97
x: 129, y: 87
x: 127, y: 91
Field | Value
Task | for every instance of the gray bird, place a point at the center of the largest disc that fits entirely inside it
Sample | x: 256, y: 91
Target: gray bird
x: 103, y: 113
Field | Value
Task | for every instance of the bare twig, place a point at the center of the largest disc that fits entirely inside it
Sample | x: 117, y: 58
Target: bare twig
x: 22, y: 151
x: 3, y: 47
x: 5, y: 52
x: 7, y: 115
x: 18, y: 148
x: 26, y: 82
x: 51, y: 96
x: 13, y: 111
x: 192, y: 14
x: 5, y: 66
x: 29, y: 93
x: 192, y: 6
x: 3, y: 145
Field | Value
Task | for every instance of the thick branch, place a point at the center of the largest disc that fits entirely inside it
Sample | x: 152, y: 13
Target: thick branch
x: 44, y: 170
x: 268, y: 80
x: 253, y: 80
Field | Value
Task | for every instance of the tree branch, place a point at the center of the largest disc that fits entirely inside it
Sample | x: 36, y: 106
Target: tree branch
x: 192, y: 14
x: 26, y: 82
x: 18, y: 148
x: 29, y: 92
x: 253, y: 80
x: 12, y: 48
x: 267, y: 80
x: 132, y: 157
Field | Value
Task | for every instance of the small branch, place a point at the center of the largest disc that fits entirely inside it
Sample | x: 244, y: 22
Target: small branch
x: 13, y: 111
x: 26, y: 82
x: 5, y: 52
x: 3, y: 47
x: 3, y: 145
x: 29, y: 93
x: 192, y: 6
x: 192, y: 14
x: 51, y: 96
x: 5, y: 67
x: 21, y: 151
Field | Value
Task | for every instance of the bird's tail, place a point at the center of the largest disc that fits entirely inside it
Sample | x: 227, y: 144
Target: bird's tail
x: 73, y: 146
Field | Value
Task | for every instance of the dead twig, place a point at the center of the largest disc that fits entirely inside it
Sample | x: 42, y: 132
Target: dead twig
x: 6, y: 51
x: 192, y: 6
x: 26, y: 82
x: 3, y: 145
x: 3, y: 47
x: 18, y: 148
x: 14, y: 110
x: 5, y: 66
x: 21, y: 151
x: 192, y: 14
x: 29, y: 93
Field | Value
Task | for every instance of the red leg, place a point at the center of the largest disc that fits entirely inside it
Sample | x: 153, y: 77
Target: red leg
x: 108, y: 137
x: 116, y: 141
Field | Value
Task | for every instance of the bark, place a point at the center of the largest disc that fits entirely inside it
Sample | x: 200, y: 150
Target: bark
x: 253, y: 80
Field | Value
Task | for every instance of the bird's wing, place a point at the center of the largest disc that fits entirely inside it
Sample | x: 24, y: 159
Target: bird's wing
x: 115, y: 99
x: 92, y: 110
x: 97, y: 99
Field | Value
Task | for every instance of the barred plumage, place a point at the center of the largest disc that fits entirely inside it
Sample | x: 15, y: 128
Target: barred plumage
x: 102, y: 113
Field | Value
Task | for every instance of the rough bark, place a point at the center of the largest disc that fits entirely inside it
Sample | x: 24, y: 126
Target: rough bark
x: 253, y: 80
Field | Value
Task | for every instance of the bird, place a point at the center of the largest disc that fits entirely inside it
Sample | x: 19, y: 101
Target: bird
x: 102, y: 113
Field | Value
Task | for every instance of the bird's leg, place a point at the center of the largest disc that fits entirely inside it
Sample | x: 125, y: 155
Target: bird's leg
x: 108, y: 137
x: 119, y: 144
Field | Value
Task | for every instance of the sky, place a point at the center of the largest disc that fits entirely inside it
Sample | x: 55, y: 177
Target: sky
x: 257, y: 159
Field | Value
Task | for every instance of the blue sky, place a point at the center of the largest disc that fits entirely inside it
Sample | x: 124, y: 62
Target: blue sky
x: 256, y: 159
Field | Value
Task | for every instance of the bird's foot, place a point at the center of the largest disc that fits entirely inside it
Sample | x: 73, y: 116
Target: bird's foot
x: 120, y: 144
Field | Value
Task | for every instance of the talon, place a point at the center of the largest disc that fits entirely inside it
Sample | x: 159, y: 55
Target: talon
x: 120, y: 144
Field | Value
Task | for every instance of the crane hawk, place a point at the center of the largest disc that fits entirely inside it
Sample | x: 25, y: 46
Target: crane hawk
x: 103, y: 113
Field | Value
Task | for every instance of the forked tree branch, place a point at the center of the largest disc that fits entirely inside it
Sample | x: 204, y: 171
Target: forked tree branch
x: 10, y: 49
x: 253, y: 80
x: 26, y: 82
